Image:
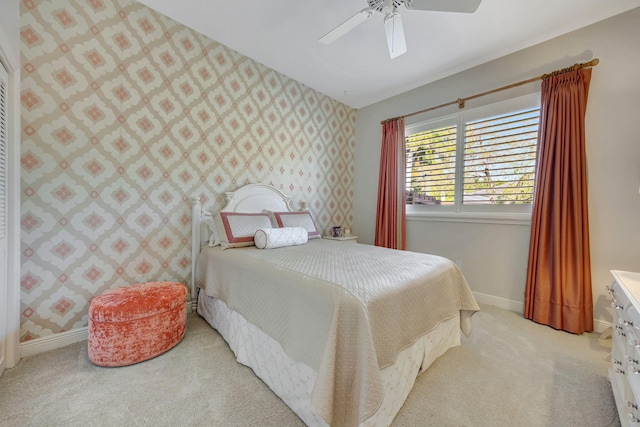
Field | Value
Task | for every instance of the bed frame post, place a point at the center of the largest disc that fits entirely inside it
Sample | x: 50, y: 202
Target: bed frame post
x: 196, y: 210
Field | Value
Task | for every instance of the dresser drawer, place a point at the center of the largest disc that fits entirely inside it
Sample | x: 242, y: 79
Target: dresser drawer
x: 627, y: 408
x: 619, y: 299
x: 630, y: 407
x: 625, y: 346
x: 630, y: 318
x: 620, y: 348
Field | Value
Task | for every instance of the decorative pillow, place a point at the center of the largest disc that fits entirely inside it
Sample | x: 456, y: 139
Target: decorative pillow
x: 237, y: 229
x: 270, y: 238
x: 297, y: 219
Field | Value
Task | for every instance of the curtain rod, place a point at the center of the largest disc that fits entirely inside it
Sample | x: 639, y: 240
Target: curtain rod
x: 461, y: 101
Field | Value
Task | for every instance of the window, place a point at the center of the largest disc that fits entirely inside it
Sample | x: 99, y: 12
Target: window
x: 477, y: 161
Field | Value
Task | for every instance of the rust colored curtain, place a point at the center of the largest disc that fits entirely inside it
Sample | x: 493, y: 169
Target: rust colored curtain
x: 391, y: 210
x: 558, y: 291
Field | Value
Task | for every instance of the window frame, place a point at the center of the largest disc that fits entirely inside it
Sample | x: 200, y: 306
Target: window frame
x: 458, y: 212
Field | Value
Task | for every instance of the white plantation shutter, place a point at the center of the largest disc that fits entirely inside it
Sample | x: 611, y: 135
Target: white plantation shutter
x: 431, y: 165
x: 476, y: 161
x: 4, y: 81
x: 500, y: 158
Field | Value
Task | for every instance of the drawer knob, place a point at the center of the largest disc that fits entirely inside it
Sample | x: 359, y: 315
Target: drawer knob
x: 617, y: 362
x: 630, y: 360
x: 617, y: 306
x: 634, y: 343
x: 631, y: 405
x: 620, y: 334
x: 634, y: 370
x: 623, y: 321
x: 633, y: 418
x: 619, y: 371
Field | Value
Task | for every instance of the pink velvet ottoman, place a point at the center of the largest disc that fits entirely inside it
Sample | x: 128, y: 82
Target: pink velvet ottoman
x: 134, y: 323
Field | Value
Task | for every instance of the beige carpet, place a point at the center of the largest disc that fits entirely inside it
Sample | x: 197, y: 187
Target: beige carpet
x: 510, y: 372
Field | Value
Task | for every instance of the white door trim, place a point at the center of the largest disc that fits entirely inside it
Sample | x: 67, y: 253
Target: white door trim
x: 11, y: 61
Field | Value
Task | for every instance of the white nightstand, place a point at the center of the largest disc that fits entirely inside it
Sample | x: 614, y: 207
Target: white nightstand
x: 348, y: 239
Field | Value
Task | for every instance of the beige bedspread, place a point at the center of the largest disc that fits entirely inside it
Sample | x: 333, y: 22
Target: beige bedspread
x: 345, y: 310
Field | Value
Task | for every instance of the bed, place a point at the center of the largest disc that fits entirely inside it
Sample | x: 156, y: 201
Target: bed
x: 338, y: 331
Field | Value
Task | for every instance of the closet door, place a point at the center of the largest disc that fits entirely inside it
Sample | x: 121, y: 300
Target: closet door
x: 4, y: 254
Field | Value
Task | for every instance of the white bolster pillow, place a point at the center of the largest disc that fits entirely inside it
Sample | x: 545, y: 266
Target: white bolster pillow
x: 270, y: 238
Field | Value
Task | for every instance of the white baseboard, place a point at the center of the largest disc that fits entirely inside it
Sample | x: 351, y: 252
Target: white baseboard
x: 51, y: 342
x: 599, y: 326
x: 506, y: 304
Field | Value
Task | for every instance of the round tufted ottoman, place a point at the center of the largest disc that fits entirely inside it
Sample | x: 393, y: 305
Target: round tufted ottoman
x: 134, y: 323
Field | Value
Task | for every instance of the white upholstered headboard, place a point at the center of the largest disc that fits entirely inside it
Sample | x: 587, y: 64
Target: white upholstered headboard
x: 251, y: 198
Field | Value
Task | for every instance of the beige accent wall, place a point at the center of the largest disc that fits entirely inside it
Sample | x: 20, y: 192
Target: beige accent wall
x: 126, y: 115
x: 494, y: 256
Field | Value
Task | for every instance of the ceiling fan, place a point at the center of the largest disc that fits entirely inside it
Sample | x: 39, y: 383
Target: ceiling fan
x: 393, y: 23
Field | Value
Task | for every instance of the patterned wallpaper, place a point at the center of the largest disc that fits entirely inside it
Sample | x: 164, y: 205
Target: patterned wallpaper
x: 126, y: 115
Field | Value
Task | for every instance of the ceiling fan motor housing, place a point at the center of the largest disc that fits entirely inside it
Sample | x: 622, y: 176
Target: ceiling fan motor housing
x: 379, y: 4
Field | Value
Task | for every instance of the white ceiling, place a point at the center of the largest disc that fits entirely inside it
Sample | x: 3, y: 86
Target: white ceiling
x: 356, y: 69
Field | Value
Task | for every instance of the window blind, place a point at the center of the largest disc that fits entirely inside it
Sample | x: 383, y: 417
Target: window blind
x: 431, y: 164
x: 500, y: 159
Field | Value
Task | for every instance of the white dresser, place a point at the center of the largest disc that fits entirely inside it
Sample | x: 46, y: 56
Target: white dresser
x: 624, y: 372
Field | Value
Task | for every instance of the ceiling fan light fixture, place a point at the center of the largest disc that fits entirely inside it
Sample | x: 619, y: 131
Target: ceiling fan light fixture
x: 387, y: 7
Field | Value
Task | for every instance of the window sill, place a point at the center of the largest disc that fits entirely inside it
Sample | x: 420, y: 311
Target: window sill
x: 472, y: 217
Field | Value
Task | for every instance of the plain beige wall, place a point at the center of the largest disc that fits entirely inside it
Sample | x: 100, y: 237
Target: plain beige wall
x: 10, y: 22
x: 494, y: 256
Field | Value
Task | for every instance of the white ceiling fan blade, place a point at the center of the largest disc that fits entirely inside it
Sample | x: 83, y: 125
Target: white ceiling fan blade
x: 395, y: 35
x: 464, y: 6
x: 347, y: 26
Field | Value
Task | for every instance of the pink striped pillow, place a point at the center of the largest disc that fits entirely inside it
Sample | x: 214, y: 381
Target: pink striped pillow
x: 297, y: 219
x: 237, y: 229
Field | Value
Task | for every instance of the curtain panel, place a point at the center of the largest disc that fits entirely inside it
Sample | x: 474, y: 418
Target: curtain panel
x: 391, y: 209
x: 558, y: 290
